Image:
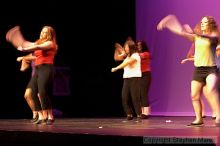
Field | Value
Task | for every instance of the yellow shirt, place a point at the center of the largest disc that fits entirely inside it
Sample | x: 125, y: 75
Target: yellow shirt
x: 204, y: 52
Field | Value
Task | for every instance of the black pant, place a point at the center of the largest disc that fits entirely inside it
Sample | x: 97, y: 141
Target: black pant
x: 131, y: 95
x: 42, y: 81
x: 145, y: 86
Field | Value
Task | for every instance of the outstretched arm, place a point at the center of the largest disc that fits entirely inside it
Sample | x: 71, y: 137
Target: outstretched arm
x: 123, y: 64
x: 172, y: 23
x: 28, y: 57
x: 25, y: 61
x: 119, y: 53
x: 44, y: 46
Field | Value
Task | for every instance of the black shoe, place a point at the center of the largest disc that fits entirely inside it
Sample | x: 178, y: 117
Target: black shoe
x: 196, y: 124
x: 129, y: 117
x: 213, y: 118
x: 143, y: 116
x: 49, y: 121
x: 42, y: 121
x: 34, y: 119
x: 138, y: 118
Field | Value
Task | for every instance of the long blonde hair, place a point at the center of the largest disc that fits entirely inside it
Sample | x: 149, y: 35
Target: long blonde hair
x: 50, y: 36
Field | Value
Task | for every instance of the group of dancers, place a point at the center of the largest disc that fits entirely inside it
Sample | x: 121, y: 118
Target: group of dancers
x: 205, y: 38
x: 136, y: 62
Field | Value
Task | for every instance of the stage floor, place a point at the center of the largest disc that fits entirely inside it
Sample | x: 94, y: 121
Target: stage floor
x: 155, y: 130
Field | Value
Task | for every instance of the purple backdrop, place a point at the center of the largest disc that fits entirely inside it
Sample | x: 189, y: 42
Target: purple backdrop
x: 170, y: 89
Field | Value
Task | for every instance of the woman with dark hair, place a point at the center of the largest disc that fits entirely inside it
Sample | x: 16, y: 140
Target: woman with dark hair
x: 206, y: 40
x: 146, y: 77
x: 132, y: 77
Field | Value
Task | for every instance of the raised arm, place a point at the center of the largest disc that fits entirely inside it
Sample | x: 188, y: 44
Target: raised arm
x: 15, y: 37
x: 172, y: 23
x: 119, y: 53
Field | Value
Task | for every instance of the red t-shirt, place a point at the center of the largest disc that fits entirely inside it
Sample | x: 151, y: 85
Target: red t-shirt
x: 145, y: 61
x: 45, y: 56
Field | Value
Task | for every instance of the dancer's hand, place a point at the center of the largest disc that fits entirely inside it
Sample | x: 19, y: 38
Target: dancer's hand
x: 114, y: 69
x: 20, y: 48
x: 119, y: 48
x: 172, y: 23
x: 184, y: 61
x: 15, y: 37
x: 19, y: 59
x: 119, y: 53
x: 162, y: 24
x: 218, y: 50
x: 187, y: 59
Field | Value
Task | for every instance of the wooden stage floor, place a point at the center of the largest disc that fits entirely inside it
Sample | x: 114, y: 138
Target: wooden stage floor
x: 109, y: 131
